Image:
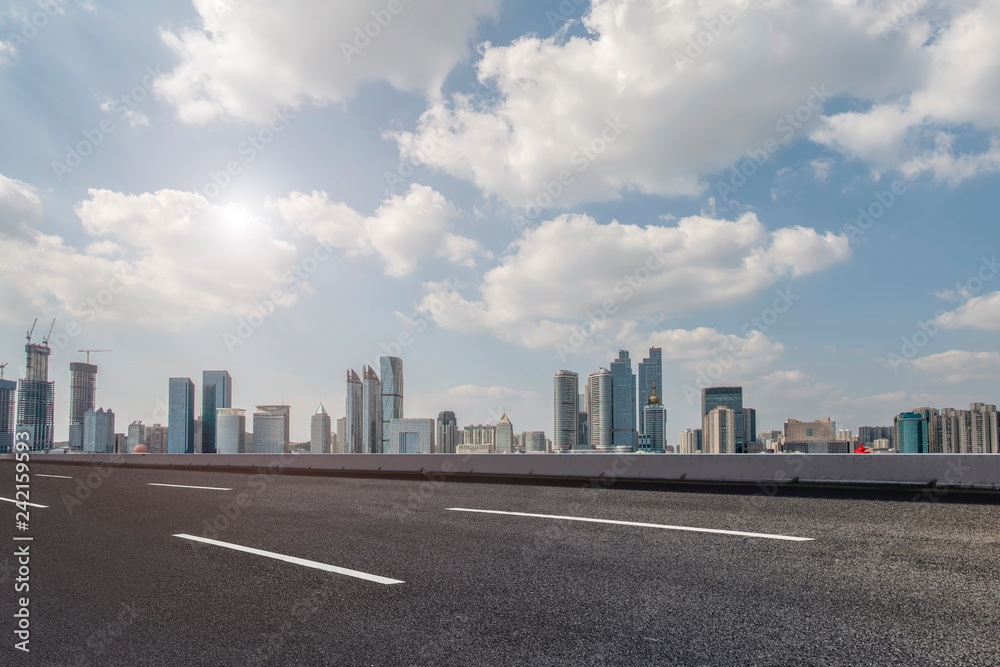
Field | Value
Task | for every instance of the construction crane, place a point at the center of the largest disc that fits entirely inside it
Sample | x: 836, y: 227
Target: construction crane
x: 89, y: 351
x: 2, y: 366
x: 32, y: 330
x: 45, y: 341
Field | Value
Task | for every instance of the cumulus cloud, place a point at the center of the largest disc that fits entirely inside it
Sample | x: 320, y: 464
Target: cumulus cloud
x: 247, y: 58
x: 171, y: 257
x: 721, y: 357
x: 572, y: 270
x: 556, y: 105
x: 404, y: 229
x: 955, y: 366
x: 981, y: 312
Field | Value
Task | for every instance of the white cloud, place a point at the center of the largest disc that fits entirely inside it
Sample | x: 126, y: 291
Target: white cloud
x: 981, y: 312
x: 550, y: 100
x: 20, y: 206
x: 247, y: 58
x: 166, y: 258
x: 403, y: 229
x: 957, y: 366
x: 573, y: 270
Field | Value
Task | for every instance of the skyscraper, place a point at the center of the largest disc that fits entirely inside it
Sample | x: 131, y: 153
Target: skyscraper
x: 159, y: 437
x: 623, y: 398
x: 749, y: 427
x: 533, y: 442
x: 721, y: 425
x: 271, y: 429
x: 599, y: 389
x: 505, y: 436
x: 410, y: 436
x: 446, y: 439
x: 320, y: 432
x: 911, y: 433
x: 180, y: 417
x: 690, y: 441
x: 99, y: 431
x: 392, y: 393
x: 566, y: 389
x: 216, y: 392
x: 137, y: 435
x: 650, y: 373
x: 8, y: 389
x: 82, y: 390
x: 36, y: 398
x: 372, y: 411
x: 729, y: 397
x: 340, y: 442
x: 354, y: 413
x: 655, y: 419
x: 231, y: 431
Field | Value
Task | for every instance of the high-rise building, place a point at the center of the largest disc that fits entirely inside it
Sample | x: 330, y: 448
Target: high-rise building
x: 354, y: 443
x: 599, y: 389
x: 623, y: 413
x: 447, y: 433
x: 410, y: 436
x: 180, y: 416
x: 583, y: 432
x: 372, y: 411
x: 121, y: 443
x: 728, y: 397
x: 320, y: 432
x: 565, y: 436
x: 911, y: 433
x: 505, y: 436
x: 230, y: 431
x: 216, y: 392
x: 655, y: 419
x: 82, y: 390
x: 99, y: 431
x: 689, y: 441
x: 650, y: 372
x: 867, y: 435
x: 271, y: 429
x: 533, y: 442
x: 137, y: 435
x: 479, y: 439
x: 392, y: 392
x: 8, y: 391
x: 36, y: 398
x: 158, y: 439
x: 749, y: 429
x: 340, y: 438
x: 983, y: 429
x: 721, y: 426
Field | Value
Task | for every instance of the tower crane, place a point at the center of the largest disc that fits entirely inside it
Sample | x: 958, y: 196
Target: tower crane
x: 45, y: 341
x: 32, y: 330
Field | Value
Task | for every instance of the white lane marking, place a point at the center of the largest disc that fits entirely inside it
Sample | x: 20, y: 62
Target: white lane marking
x: 292, y: 559
x: 184, y: 486
x: 56, y: 476
x: 641, y: 525
x: 19, y: 502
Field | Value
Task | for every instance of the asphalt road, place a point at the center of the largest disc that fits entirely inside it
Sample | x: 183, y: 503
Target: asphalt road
x: 878, y: 583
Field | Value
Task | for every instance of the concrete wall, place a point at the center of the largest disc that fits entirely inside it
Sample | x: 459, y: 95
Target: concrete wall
x: 971, y: 471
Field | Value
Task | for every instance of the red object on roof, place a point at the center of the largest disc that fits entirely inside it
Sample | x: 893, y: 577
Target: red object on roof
x: 861, y: 450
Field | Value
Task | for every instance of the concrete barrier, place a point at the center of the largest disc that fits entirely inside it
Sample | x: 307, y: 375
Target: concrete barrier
x: 952, y: 471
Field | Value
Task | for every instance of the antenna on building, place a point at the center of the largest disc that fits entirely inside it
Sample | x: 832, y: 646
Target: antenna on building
x: 89, y: 351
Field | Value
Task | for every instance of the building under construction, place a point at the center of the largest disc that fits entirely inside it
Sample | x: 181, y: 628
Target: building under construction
x: 36, y: 397
x: 82, y: 389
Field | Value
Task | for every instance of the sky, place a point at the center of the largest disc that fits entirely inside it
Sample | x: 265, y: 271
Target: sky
x: 794, y: 196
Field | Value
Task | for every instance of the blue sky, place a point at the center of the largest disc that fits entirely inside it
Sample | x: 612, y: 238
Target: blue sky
x: 255, y: 156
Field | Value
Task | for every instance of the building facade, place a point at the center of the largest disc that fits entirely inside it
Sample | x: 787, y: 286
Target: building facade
x: 137, y: 434
x: 354, y: 415
x: 371, y: 427
x: 689, y: 441
x: 479, y: 439
x: 320, y: 432
x: 446, y: 439
x: 599, y: 388
x: 650, y: 372
x: 720, y: 429
x: 534, y: 442
x: 565, y: 404
x: 727, y: 397
x: 623, y: 396
x: 505, y: 436
x: 271, y: 425
x: 231, y: 431
x: 391, y: 369
x: 82, y: 394
x: 8, y: 415
x: 36, y: 398
x: 180, y: 416
x: 655, y: 421
x: 410, y: 436
x: 99, y: 431
x: 216, y: 392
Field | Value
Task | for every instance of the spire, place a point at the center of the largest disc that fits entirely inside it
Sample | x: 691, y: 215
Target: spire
x: 321, y: 410
x: 653, y: 398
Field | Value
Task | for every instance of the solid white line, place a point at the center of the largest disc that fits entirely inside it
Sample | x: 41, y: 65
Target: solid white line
x: 18, y: 502
x: 183, y: 486
x: 641, y: 525
x: 292, y: 559
x: 56, y: 476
